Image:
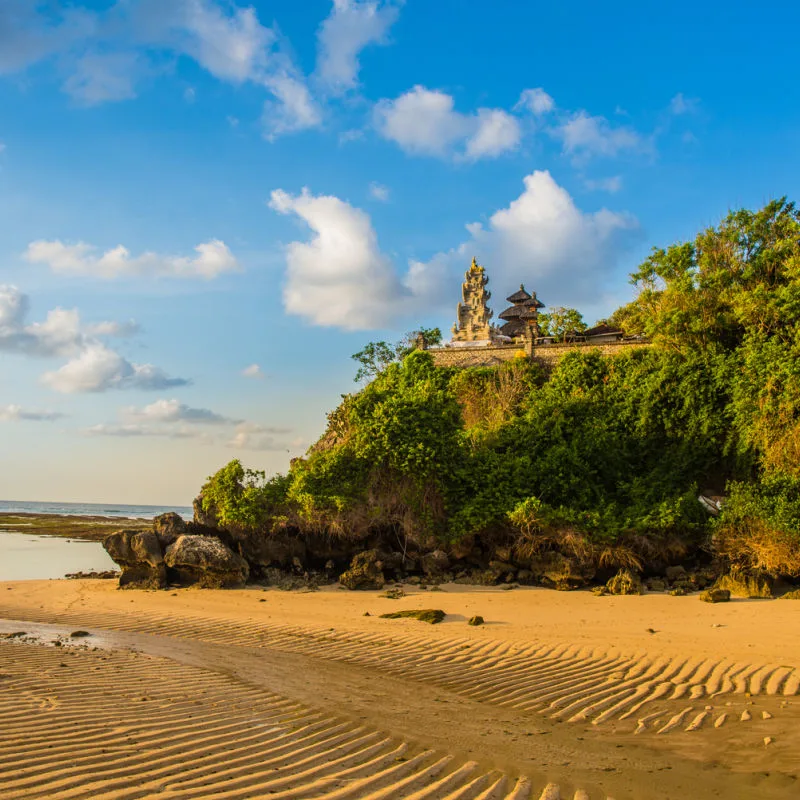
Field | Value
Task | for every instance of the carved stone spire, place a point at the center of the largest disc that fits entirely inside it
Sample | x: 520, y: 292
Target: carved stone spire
x: 473, y: 315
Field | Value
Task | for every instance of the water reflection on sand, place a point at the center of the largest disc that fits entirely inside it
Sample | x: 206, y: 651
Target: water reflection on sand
x: 24, y: 556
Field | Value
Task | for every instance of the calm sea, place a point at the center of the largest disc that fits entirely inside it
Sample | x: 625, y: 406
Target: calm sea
x: 92, y: 509
x: 26, y: 556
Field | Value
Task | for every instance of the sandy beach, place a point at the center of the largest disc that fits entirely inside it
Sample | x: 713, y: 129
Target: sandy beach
x: 262, y: 693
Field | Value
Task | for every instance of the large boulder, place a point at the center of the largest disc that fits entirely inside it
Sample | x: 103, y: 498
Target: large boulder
x: 206, y: 561
x: 139, y: 554
x: 168, y: 527
x: 366, y: 572
x: 435, y: 563
x: 263, y: 550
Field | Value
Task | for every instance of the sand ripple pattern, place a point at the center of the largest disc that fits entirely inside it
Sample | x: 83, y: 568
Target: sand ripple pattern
x: 561, y: 681
x: 158, y: 729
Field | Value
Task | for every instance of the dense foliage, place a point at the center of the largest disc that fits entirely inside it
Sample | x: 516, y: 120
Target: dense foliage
x: 607, y: 453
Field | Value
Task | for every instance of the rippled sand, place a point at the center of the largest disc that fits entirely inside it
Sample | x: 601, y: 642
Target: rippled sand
x: 252, y: 694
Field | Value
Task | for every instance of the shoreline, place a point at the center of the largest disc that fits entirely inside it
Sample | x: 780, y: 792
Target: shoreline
x: 562, y: 688
x: 84, y: 527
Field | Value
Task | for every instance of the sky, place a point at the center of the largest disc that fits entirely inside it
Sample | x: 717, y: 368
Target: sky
x: 207, y: 206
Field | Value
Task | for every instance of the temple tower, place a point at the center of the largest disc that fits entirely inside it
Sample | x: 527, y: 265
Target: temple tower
x: 472, y: 314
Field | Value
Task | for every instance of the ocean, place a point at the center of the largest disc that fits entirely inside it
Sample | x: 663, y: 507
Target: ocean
x: 120, y: 510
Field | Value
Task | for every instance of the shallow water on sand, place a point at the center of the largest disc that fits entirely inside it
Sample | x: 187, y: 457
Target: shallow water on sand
x: 27, y: 557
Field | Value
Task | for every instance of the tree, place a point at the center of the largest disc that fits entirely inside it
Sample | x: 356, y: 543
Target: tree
x: 376, y: 356
x: 560, y: 322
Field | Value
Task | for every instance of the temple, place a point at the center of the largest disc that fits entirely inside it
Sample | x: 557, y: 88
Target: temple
x: 472, y: 314
x: 522, y: 317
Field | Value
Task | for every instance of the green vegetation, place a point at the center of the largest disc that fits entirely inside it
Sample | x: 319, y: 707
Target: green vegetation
x: 603, y: 461
x: 560, y: 322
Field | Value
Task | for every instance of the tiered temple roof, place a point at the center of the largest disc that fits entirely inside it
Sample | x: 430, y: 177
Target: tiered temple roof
x: 522, y: 314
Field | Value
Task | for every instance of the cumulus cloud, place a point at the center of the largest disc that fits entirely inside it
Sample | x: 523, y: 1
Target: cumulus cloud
x: 92, y: 365
x: 213, y: 259
x: 379, y: 192
x: 172, y: 419
x: 537, y: 101
x: 253, y: 371
x: 583, y: 136
x: 97, y: 368
x: 340, y: 277
x: 174, y: 411
x: 544, y: 240
x: 351, y: 26
x: 424, y: 122
x: 251, y: 436
x: 15, y: 413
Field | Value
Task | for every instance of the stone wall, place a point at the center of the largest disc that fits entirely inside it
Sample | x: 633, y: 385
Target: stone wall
x: 548, y: 355
x: 475, y: 356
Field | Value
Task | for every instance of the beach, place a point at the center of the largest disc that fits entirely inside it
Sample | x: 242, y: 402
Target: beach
x: 260, y: 692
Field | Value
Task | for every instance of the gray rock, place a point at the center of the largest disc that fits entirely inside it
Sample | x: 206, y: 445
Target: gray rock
x: 435, y: 563
x: 168, y: 527
x: 139, y: 555
x: 206, y: 561
x: 366, y: 572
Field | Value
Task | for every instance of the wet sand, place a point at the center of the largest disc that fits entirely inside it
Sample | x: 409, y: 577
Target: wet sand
x: 261, y: 693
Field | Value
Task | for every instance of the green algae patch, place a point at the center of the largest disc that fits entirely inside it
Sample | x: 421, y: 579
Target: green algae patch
x: 430, y: 615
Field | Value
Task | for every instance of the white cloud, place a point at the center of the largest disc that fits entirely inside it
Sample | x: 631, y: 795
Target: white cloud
x: 105, y: 77
x: 167, y: 411
x: 680, y: 104
x: 537, y: 101
x: 251, y: 436
x: 379, y: 192
x: 29, y: 32
x: 213, y: 258
x: 424, y: 121
x: 543, y: 240
x: 611, y: 185
x: 497, y: 132
x: 584, y: 136
x: 339, y: 277
x: 97, y: 368
x: 293, y: 108
x: 253, y: 371
x: 15, y: 413
x: 350, y: 27
x: 133, y: 430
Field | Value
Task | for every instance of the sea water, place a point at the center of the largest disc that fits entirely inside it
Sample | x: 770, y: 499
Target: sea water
x: 26, y: 556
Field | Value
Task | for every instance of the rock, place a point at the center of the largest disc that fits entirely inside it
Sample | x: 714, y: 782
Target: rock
x: 206, y: 561
x: 201, y: 517
x: 476, y: 620
x: 675, y: 573
x: 430, y: 615
x: 262, y: 550
x: 656, y: 585
x: 507, y: 571
x: 435, y: 563
x: 625, y: 582
x: 168, y: 527
x: 365, y: 572
x: 793, y: 595
x: 678, y: 591
x: 742, y: 584
x: 139, y: 555
x: 599, y: 591
x: 556, y: 570
x: 715, y: 596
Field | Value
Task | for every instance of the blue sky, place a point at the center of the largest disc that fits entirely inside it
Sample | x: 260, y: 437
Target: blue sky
x: 207, y: 206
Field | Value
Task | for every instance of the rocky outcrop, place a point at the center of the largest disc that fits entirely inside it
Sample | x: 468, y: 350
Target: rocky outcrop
x: 625, y: 582
x: 366, y: 572
x: 140, y: 556
x: 715, y: 596
x: 742, y: 584
x: 560, y: 572
x: 435, y: 563
x: 205, y: 561
x: 168, y: 527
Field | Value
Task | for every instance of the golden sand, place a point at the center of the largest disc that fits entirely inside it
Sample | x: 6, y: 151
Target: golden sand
x: 252, y: 693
